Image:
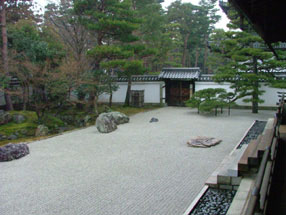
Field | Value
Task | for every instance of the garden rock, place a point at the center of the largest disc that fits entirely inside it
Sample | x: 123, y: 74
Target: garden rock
x: 13, y: 151
x: 18, y: 118
x: 119, y: 118
x: 154, y: 120
x: 62, y: 129
x: 3, y: 137
x: 4, y: 117
x: 41, y: 130
x: 203, y: 142
x: 23, y: 131
x: 12, y: 137
x: 105, y: 123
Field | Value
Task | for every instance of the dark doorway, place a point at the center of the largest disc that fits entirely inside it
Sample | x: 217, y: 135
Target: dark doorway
x: 177, y: 92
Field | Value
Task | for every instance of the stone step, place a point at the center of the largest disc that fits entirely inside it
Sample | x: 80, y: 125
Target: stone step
x: 254, y: 152
x: 253, y: 159
x: 243, y: 162
x: 250, y: 156
x: 266, y: 140
x: 226, y: 175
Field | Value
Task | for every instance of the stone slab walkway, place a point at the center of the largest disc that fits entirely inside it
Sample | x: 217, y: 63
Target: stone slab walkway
x: 142, y: 168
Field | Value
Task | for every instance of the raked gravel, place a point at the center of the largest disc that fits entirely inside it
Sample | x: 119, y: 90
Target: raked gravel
x: 141, y: 168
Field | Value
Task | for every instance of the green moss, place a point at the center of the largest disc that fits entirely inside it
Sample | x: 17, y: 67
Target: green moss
x: 29, y: 125
x: 133, y: 110
x: 52, y: 122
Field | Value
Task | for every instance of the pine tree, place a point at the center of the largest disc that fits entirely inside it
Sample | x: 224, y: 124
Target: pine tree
x: 243, y: 64
x: 113, y: 23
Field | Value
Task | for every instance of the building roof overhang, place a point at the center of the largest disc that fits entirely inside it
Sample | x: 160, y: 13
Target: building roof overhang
x: 267, y: 18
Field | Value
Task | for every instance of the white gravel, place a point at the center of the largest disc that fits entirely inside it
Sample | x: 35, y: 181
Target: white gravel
x: 141, y: 168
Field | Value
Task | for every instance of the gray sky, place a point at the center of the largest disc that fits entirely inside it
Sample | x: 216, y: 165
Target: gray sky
x: 221, y: 24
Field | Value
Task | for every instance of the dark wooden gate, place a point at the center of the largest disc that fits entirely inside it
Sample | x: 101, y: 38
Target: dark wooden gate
x: 177, y: 92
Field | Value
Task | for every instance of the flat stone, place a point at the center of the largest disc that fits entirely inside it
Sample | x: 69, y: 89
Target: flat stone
x: 203, y: 142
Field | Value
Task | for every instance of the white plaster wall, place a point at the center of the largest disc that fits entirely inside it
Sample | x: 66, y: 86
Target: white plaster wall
x: 270, y: 95
x: 204, y: 85
x: 151, y: 92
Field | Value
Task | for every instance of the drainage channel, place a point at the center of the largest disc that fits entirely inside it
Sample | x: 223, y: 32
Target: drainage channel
x: 212, y: 201
x: 256, y: 129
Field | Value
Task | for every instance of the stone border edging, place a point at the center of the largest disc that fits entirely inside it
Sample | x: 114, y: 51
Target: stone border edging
x: 196, y: 200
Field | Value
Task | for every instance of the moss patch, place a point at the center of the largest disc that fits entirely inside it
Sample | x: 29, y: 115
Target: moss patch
x: 133, y: 110
x: 28, y: 126
x: 52, y: 122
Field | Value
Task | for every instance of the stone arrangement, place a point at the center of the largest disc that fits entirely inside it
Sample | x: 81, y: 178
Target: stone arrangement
x: 107, y: 122
x: 213, y: 202
x: 13, y: 151
x: 203, y: 142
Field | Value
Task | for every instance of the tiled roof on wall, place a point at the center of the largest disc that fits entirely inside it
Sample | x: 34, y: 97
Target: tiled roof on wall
x: 138, y: 78
x: 180, y: 73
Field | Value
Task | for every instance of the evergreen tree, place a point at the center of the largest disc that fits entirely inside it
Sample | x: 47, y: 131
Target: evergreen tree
x: 243, y: 64
x: 112, y: 22
x: 195, y: 23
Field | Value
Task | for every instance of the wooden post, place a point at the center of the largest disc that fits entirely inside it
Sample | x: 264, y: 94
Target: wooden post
x: 161, y: 94
x: 180, y: 92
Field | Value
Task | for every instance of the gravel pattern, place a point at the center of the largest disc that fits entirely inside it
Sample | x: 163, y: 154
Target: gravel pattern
x: 141, y: 168
x: 253, y: 133
x: 214, y: 202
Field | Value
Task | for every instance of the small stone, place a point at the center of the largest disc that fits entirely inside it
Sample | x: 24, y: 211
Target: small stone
x: 12, y: 137
x: 5, y: 117
x: 18, y: 118
x: 153, y: 119
x: 86, y: 119
x: 23, y: 131
x: 41, y: 130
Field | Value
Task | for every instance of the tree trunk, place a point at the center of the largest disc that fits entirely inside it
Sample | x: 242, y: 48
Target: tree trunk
x: 90, y: 106
x: 128, y: 92
x: 110, y: 73
x: 25, y: 97
x: 110, y: 99
x: 95, y: 101
x: 255, y: 88
x: 9, y: 105
x: 197, y: 57
x: 185, y: 50
x: 205, y: 56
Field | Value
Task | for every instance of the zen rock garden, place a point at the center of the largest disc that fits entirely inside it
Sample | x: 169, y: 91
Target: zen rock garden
x: 107, y: 122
